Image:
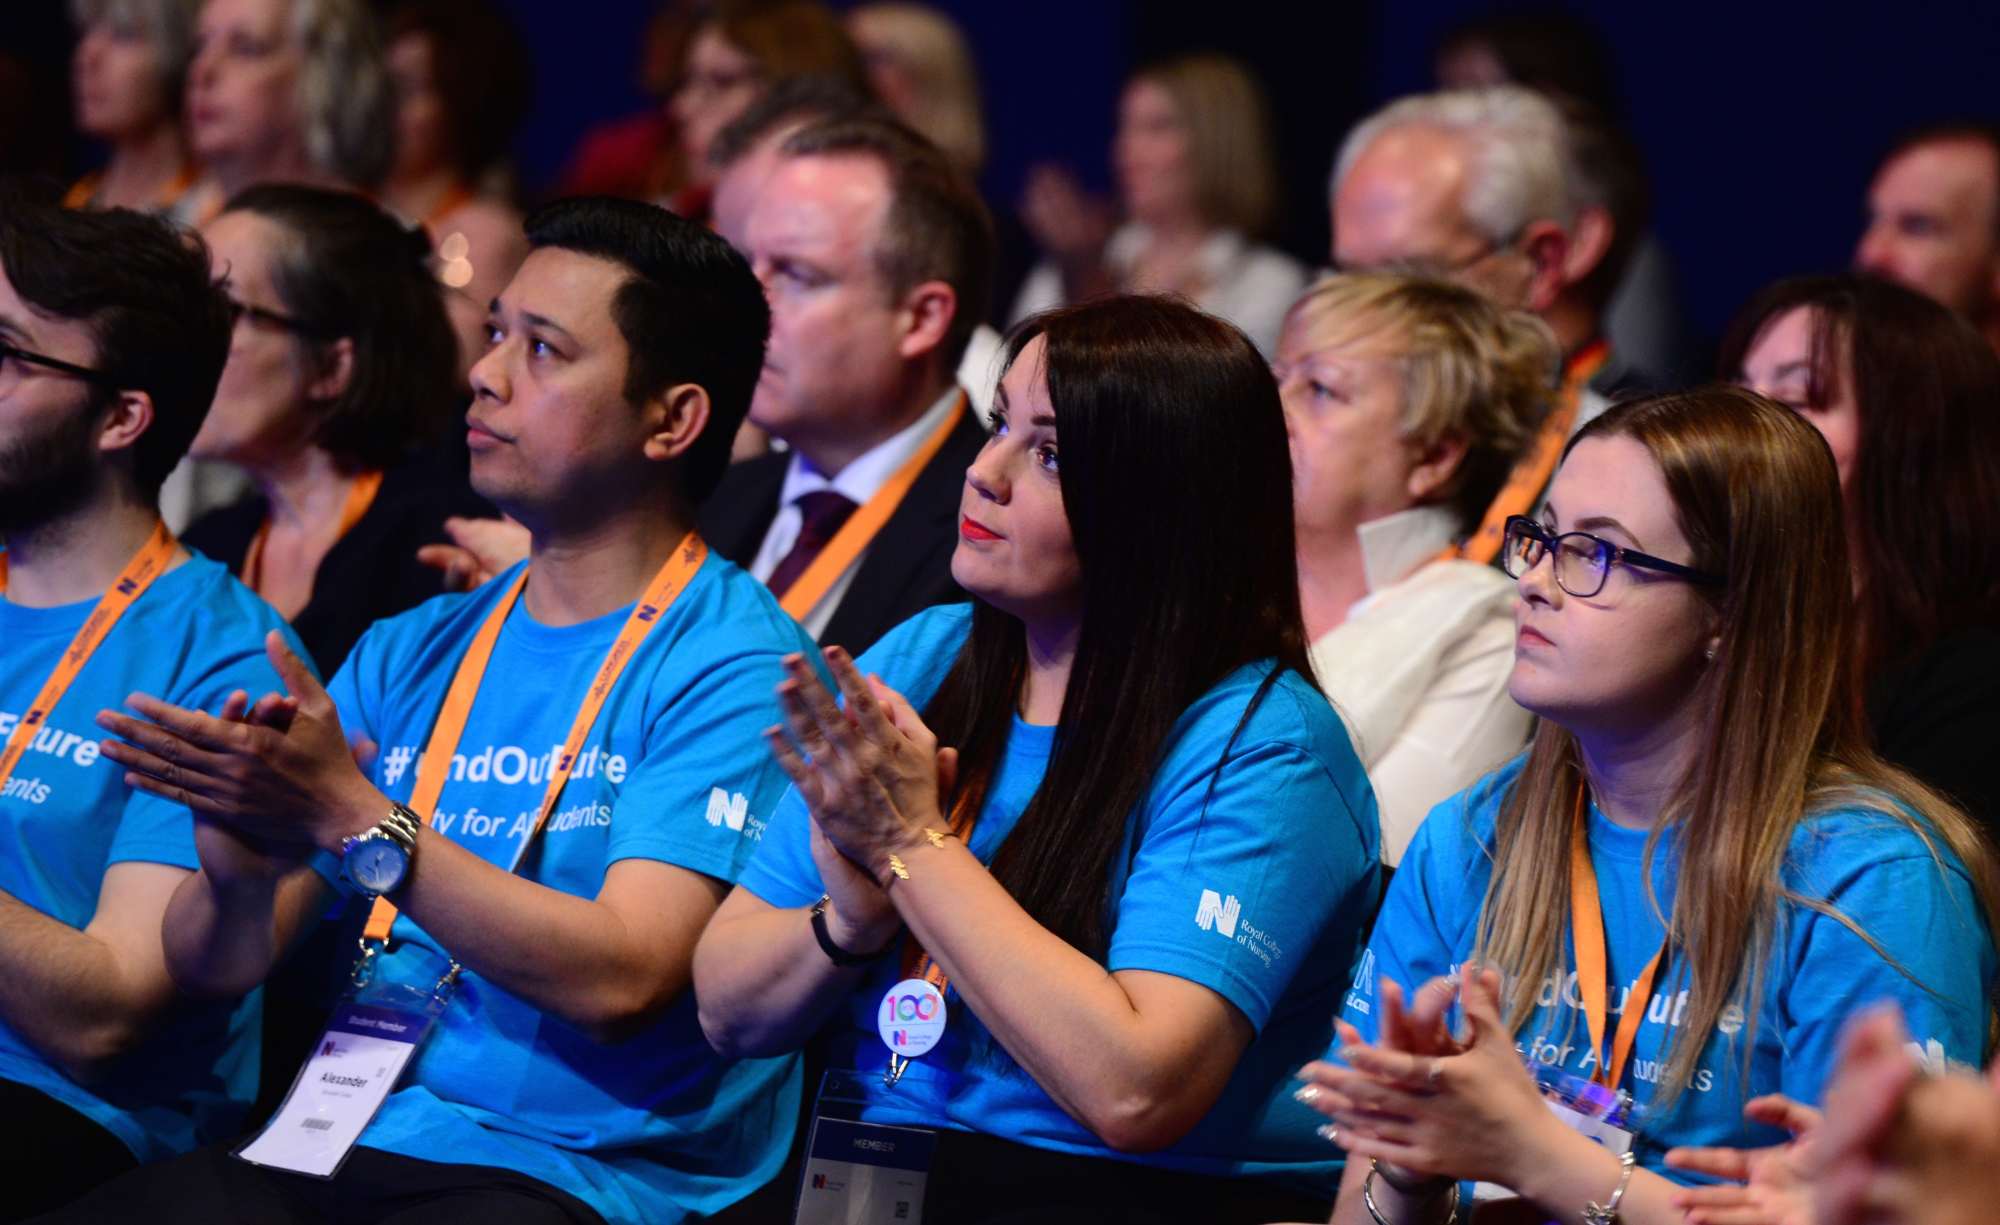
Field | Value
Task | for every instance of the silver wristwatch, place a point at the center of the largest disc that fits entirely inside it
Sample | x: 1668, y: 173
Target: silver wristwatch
x: 378, y: 859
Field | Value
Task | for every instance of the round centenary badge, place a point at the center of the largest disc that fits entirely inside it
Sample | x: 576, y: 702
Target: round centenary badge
x: 911, y: 1019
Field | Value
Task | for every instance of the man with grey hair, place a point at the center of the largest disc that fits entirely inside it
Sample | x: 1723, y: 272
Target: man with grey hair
x: 1474, y: 187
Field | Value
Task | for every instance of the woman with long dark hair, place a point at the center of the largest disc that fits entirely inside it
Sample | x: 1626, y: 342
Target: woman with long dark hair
x: 1669, y: 905
x: 1135, y: 874
x: 1907, y: 394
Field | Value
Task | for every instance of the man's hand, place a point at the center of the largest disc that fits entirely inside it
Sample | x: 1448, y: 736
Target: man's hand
x: 289, y: 781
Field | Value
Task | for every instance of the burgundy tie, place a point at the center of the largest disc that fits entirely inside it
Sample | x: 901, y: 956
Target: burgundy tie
x: 822, y: 512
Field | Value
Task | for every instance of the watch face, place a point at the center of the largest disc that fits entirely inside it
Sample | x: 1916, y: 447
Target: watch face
x: 376, y: 864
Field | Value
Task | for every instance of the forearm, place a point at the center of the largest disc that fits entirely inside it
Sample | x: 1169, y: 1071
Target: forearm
x: 763, y: 984
x: 571, y: 956
x: 1577, y: 1170
x: 66, y: 992
x: 223, y: 936
x: 1060, y: 1014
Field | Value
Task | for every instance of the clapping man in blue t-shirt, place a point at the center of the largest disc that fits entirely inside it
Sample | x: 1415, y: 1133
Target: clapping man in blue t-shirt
x: 564, y: 776
x: 112, y: 338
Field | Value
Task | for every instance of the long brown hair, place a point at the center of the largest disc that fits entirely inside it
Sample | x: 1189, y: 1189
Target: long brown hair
x: 1756, y: 496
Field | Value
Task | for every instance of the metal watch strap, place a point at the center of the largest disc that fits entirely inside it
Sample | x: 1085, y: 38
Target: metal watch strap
x: 834, y: 953
x: 402, y: 825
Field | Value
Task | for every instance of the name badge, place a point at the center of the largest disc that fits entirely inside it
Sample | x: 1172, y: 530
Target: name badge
x: 350, y: 1074
x: 864, y: 1174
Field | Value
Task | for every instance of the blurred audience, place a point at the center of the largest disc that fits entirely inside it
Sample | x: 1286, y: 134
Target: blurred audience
x: 130, y: 75
x: 1407, y: 402
x: 340, y: 374
x: 287, y: 91
x: 921, y: 68
x: 463, y: 83
x: 1907, y: 396
x: 1472, y: 186
x: 1564, y: 57
x: 1197, y: 185
x: 1934, y: 219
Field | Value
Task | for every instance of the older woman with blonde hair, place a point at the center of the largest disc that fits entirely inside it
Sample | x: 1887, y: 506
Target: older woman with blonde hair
x: 1198, y: 186
x: 288, y: 91
x: 922, y: 69
x: 1407, y: 402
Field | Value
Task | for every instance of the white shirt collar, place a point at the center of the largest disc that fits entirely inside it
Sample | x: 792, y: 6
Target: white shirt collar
x: 1395, y: 545
x: 870, y: 470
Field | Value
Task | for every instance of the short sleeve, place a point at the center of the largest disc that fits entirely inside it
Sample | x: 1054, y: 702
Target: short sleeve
x: 156, y: 830
x: 1232, y: 889
x: 1926, y: 920
x: 702, y: 795
x: 782, y: 871
x: 1425, y: 926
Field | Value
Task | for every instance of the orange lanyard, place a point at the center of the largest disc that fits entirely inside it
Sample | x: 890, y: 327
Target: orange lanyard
x: 359, y: 498
x: 861, y: 527
x: 1586, y: 926
x: 1532, y: 471
x: 435, y: 764
x: 84, y: 190
x: 146, y: 565
x: 457, y: 197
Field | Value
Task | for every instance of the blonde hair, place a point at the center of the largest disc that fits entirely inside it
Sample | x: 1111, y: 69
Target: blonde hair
x: 929, y: 46
x: 345, y: 104
x: 1229, y: 138
x: 1471, y: 369
x: 1755, y: 494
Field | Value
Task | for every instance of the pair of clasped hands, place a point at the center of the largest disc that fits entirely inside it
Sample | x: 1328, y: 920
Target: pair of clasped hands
x: 1426, y: 1103
x: 871, y: 774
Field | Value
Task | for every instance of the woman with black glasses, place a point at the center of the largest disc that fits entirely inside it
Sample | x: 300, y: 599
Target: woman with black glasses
x: 1664, y: 911
x: 342, y: 369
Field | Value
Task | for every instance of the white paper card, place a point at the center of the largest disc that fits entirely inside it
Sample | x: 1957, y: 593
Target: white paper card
x: 350, y: 1074
x: 865, y: 1174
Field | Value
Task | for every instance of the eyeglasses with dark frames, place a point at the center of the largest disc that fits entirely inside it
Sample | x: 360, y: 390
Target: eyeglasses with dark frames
x: 1582, y: 561
x: 239, y: 311
x: 17, y: 353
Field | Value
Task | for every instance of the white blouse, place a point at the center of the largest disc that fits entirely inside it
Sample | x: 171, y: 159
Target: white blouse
x: 1419, y: 670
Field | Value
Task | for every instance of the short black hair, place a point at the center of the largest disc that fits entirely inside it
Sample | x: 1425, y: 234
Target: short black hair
x: 690, y: 312
x: 937, y: 227
x: 345, y: 268
x: 160, y: 321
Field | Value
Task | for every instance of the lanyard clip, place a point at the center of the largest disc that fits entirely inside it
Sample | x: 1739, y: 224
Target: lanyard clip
x: 894, y: 1073
x: 446, y: 984
x: 364, y: 965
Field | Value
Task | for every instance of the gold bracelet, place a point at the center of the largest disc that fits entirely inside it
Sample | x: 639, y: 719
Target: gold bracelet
x: 937, y: 837
x: 897, y: 869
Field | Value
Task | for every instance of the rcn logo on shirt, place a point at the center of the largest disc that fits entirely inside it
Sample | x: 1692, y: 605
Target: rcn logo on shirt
x: 1223, y: 915
x: 733, y: 810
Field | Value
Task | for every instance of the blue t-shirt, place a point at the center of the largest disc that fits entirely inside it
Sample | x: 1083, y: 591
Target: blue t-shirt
x: 657, y: 1127
x: 1872, y: 867
x: 1258, y: 890
x: 66, y: 815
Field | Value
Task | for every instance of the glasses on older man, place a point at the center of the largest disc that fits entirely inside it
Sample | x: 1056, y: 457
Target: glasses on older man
x: 1582, y: 561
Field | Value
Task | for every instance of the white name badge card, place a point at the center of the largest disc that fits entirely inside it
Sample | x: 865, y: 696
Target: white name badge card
x: 1615, y: 1140
x: 349, y: 1076
x: 865, y: 1174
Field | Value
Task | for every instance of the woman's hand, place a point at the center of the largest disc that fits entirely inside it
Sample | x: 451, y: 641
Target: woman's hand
x: 480, y: 549
x: 1475, y: 1114
x: 871, y: 780
x: 1770, y: 1184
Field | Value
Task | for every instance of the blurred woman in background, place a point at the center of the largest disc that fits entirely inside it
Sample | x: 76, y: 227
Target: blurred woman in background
x: 129, y: 74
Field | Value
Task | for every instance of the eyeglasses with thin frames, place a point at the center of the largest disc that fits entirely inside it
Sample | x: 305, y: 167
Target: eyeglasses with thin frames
x: 10, y: 353
x: 1582, y: 561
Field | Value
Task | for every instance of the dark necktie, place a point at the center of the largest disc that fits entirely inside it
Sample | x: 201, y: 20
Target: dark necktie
x: 822, y: 512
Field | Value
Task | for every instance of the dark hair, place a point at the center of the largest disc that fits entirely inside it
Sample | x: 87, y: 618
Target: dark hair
x: 936, y: 228
x: 791, y: 38
x: 1924, y: 492
x: 160, y: 322
x: 347, y: 269
x: 1178, y: 591
x: 690, y: 312
x: 1950, y: 131
x: 1606, y: 170
x: 795, y: 100
x: 1549, y: 50
x: 482, y: 72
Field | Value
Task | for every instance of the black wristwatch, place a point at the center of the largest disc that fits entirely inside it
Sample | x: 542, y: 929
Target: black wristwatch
x: 834, y: 953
